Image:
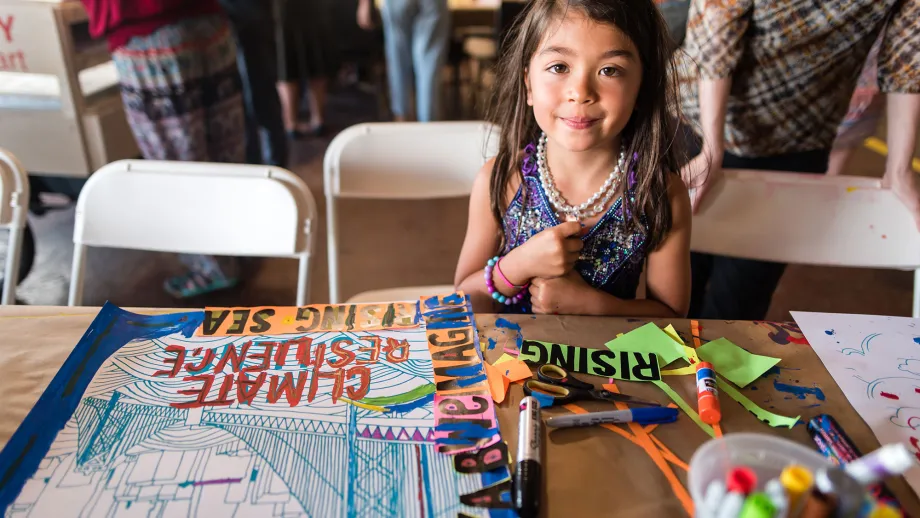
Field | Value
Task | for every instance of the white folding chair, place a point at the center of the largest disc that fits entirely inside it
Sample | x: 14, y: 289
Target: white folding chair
x: 401, y: 161
x: 14, y: 207
x: 196, y: 208
x: 808, y: 219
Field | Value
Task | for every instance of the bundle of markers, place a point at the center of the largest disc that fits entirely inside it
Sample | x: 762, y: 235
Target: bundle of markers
x: 800, y: 493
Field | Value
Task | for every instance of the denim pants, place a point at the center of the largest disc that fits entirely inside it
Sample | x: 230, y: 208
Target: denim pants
x: 416, y: 35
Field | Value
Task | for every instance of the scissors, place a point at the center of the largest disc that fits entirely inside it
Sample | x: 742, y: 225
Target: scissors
x: 556, y: 383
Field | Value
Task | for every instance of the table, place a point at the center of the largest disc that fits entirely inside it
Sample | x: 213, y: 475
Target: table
x: 589, y: 471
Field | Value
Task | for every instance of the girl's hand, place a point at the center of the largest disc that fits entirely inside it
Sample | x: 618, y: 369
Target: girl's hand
x: 551, y: 253
x: 566, y: 295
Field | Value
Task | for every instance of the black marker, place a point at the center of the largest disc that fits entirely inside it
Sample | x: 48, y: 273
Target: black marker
x: 527, y: 483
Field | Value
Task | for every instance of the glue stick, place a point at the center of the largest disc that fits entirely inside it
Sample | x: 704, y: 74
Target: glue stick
x: 739, y: 484
x: 707, y: 394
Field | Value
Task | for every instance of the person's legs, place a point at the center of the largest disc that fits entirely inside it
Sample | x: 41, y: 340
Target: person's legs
x: 202, y: 62
x: 316, y: 98
x: 289, y: 96
x: 166, y: 117
x: 430, y: 39
x: 222, y: 92
x: 291, y: 62
x: 397, y: 16
x: 265, y: 139
x: 742, y: 289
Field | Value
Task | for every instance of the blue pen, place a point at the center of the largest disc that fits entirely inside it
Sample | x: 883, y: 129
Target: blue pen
x: 643, y: 416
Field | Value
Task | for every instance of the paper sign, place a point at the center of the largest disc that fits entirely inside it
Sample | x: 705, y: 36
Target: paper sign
x: 734, y: 363
x: 147, y: 418
x: 875, y: 362
x: 464, y: 413
x: 622, y: 365
x: 648, y: 339
x: 220, y: 322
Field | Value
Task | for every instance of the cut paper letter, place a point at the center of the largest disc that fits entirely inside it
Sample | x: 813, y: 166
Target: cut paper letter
x: 622, y: 365
x: 498, y: 383
x: 648, y: 339
x: 734, y: 363
x: 515, y: 370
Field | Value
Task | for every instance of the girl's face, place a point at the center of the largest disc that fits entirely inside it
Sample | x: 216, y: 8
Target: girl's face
x: 583, y: 82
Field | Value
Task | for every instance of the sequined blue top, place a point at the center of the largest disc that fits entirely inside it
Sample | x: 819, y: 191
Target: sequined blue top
x: 612, y: 257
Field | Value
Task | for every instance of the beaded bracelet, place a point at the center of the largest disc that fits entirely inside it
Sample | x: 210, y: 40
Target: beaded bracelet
x: 490, y: 284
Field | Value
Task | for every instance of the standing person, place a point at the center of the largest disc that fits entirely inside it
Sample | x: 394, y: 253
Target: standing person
x: 765, y: 86
x: 176, y: 64
x: 416, y: 34
x: 253, y: 23
x: 309, y: 53
x: 585, y: 188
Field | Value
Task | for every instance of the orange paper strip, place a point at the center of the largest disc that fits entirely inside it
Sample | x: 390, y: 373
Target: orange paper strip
x: 646, y: 443
x: 668, y: 454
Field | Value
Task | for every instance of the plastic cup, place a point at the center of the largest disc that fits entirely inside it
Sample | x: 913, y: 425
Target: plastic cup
x: 765, y: 454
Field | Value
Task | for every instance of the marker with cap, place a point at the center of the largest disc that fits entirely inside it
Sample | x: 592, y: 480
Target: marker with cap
x: 885, y: 511
x: 643, y: 416
x: 758, y: 505
x: 777, y: 493
x: 797, y: 481
x: 888, y: 461
x: 740, y: 482
x: 529, y: 472
x: 834, y: 443
x: 822, y: 501
x: 851, y: 495
x: 715, y: 492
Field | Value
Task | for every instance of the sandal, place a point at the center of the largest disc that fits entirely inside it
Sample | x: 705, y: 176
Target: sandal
x: 194, y: 283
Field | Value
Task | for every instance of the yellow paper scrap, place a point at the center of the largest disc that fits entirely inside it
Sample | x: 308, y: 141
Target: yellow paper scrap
x: 505, y: 357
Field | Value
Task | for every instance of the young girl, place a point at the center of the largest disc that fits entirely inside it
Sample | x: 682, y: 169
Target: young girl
x: 584, y: 188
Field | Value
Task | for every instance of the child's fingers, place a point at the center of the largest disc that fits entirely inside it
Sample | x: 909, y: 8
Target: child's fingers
x: 573, y: 244
x: 569, y: 228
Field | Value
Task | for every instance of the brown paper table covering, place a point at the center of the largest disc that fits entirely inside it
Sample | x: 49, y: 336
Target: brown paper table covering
x: 588, y: 471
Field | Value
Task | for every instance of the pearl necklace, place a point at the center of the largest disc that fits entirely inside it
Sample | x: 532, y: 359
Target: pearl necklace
x: 595, y: 204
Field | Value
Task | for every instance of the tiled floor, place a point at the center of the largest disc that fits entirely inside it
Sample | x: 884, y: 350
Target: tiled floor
x: 386, y: 244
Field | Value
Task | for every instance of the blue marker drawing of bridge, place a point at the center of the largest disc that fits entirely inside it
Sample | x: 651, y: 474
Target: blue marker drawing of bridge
x: 126, y: 452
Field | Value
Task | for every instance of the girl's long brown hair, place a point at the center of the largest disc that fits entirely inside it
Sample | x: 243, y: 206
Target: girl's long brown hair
x: 650, y: 132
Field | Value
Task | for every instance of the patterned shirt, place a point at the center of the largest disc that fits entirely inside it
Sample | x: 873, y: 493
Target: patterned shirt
x: 794, y: 65
x: 613, y: 255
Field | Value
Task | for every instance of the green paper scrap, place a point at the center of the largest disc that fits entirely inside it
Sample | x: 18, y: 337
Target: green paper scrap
x: 734, y: 363
x: 648, y: 339
x: 685, y: 407
x: 774, y: 420
x: 621, y: 365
